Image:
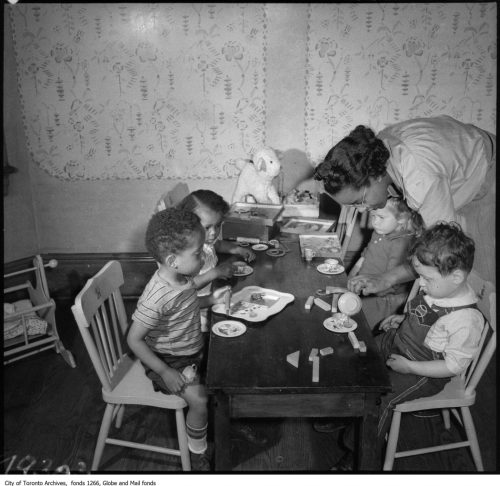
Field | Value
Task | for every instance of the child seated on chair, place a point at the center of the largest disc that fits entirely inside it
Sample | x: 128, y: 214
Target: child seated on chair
x: 395, y: 227
x: 165, y: 333
x: 211, y: 209
x: 439, y: 335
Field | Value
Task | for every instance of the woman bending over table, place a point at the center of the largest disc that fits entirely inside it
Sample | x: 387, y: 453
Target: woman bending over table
x: 444, y: 169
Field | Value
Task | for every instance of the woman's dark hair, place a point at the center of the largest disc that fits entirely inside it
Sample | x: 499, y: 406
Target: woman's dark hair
x: 207, y: 198
x: 353, y: 160
x: 445, y: 247
x: 170, y: 231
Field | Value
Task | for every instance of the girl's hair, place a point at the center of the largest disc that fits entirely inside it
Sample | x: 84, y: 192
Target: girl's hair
x: 204, y: 197
x: 445, y: 247
x: 353, y: 160
x: 170, y: 231
x: 413, y: 222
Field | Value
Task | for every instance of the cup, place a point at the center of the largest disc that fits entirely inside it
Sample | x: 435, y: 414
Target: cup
x: 332, y: 264
x: 309, y: 254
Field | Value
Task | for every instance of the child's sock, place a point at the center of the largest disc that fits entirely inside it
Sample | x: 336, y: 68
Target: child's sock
x: 197, y: 439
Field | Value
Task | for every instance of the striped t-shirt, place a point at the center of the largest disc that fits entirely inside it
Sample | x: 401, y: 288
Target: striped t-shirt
x: 172, y: 316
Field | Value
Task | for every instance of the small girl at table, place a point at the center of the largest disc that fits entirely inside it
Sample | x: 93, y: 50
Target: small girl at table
x: 211, y: 209
x: 395, y: 227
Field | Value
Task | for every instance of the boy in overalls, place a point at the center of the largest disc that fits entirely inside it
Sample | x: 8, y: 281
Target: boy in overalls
x: 439, y: 335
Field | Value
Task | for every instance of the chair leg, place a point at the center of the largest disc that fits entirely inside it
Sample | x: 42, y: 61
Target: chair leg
x: 103, y: 434
x: 392, y: 442
x: 446, y: 418
x: 472, y: 437
x: 182, y: 439
x: 119, y: 416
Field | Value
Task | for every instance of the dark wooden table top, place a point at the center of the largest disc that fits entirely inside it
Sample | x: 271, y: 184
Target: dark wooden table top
x: 255, y: 362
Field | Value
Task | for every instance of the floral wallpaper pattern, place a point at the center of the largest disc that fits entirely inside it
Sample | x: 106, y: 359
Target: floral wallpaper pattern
x: 141, y: 91
x: 378, y: 64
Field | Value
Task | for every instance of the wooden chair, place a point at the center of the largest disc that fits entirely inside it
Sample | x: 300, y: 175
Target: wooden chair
x: 345, y: 226
x: 101, y: 318
x: 459, y: 393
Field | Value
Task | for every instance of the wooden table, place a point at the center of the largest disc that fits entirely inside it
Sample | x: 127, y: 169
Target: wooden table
x: 248, y: 375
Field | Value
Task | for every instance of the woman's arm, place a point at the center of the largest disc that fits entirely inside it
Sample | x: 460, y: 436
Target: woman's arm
x: 372, y: 284
x: 355, y: 269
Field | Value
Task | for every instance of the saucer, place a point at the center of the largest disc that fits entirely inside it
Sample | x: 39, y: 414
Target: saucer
x: 349, y: 303
x: 325, y: 268
x: 229, y: 328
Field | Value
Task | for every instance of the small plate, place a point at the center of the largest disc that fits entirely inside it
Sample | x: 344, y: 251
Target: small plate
x: 259, y: 247
x: 324, y: 268
x: 229, y: 328
x: 243, y: 271
x: 349, y: 303
x: 332, y: 324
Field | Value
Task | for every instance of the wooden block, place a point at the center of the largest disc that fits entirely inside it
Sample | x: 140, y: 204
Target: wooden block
x: 321, y: 303
x: 309, y: 303
x: 335, y: 300
x: 326, y: 351
x: 313, y: 353
x: 362, y: 347
x: 353, y: 339
x: 293, y: 358
x: 315, y: 377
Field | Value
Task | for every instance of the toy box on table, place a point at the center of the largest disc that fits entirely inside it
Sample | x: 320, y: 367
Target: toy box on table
x: 299, y: 203
x: 252, y: 221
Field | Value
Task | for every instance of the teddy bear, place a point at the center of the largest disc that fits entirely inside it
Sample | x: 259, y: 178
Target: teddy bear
x: 255, y: 181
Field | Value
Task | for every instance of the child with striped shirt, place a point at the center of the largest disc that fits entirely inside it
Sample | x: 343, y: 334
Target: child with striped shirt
x: 166, y: 333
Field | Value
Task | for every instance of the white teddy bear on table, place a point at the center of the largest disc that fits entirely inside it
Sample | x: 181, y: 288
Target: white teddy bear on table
x: 255, y: 182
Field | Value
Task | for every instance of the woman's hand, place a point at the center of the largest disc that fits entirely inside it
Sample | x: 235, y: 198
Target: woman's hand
x: 368, y: 284
x: 247, y: 254
x: 174, y: 380
x: 399, y: 363
x: 391, y: 322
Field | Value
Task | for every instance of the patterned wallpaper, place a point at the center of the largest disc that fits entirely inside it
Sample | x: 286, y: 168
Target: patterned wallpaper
x: 176, y: 91
x: 378, y: 64
x: 141, y: 91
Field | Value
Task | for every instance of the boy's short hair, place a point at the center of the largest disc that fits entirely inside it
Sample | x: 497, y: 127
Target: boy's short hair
x: 446, y: 247
x: 169, y: 232
x: 207, y: 198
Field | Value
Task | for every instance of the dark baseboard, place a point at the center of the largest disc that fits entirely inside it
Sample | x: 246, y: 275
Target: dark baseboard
x: 73, y: 270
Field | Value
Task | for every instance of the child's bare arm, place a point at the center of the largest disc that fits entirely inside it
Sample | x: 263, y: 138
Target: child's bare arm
x: 431, y: 369
x: 135, y: 339
x: 217, y: 297
x: 223, y: 246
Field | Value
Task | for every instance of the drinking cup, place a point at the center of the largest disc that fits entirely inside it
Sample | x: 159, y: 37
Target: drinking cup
x: 309, y: 254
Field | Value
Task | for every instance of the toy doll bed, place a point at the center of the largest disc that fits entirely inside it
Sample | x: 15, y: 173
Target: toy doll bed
x: 29, y: 317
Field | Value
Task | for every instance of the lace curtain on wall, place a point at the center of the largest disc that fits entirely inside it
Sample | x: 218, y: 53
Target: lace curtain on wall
x: 141, y: 91
x: 377, y: 64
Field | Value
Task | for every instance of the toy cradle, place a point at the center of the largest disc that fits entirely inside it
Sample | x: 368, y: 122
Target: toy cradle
x: 29, y: 323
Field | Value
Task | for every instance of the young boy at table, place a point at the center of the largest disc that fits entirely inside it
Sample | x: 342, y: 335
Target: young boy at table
x: 165, y: 333
x: 439, y: 335
x: 395, y: 227
x: 211, y: 209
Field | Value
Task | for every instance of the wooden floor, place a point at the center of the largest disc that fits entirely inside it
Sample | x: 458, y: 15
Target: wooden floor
x: 52, y: 411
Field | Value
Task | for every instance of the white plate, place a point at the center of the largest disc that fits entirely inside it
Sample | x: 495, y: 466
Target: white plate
x: 242, y: 271
x: 332, y: 324
x: 324, y: 268
x: 229, y: 328
x: 259, y: 247
x: 243, y: 306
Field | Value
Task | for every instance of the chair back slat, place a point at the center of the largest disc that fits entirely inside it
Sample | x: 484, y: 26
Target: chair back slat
x: 102, y: 321
x: 486, y: 303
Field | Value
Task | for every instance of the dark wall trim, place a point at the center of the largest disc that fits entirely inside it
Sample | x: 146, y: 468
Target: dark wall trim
x: 73, y: 271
